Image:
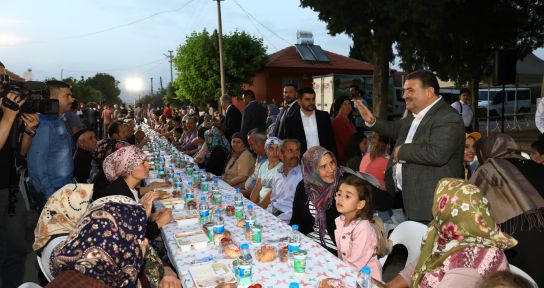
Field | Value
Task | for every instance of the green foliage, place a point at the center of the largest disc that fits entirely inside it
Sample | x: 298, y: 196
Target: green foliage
x: 155, y: 100
x: 107, y: 85
x: 459, y: 41
x: 82, y: 92
x: 197, y: 62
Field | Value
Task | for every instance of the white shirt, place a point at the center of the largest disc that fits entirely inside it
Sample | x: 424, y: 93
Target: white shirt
x: 283, y: 192
x: 539, y: 115
x: 465, y: 111
x: 310, y: 129
x: 413, y: 128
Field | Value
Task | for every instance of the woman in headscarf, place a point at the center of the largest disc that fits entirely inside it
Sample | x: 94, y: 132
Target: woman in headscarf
x: 463, y: 244
x: 515, y: 189
x: 241, y: 162
x: 215, y: 151
x: 107, y: 245
x: 262, y: 191
x: 273, y: 112
x: 314, y: 208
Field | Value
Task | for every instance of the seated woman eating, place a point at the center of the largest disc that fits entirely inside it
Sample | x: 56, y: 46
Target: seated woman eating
x: 124, y: 170
x: 463, y: 244
x: 241, y: 163
x: 262, y: 190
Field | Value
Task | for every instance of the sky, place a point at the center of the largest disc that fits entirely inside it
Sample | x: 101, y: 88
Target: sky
x: 129, y: 38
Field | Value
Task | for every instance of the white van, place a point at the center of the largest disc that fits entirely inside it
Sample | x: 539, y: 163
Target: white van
x: 511, y: 106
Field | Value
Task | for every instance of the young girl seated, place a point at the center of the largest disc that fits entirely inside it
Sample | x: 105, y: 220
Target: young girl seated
x: 356, y: 237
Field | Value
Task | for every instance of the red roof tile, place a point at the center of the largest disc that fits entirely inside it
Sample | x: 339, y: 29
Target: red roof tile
x: 289, y: 58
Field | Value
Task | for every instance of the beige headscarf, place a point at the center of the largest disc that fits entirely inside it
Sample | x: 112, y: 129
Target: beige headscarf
x: 61, y: 213
x: 510, y: 194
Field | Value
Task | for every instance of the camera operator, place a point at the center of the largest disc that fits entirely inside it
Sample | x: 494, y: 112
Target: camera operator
x: 50, y: 164
x: 13, y: 248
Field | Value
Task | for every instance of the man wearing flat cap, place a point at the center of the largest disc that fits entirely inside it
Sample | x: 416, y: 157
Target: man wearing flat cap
x: 85, y: 145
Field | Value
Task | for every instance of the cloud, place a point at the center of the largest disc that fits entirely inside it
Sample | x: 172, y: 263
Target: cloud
x: 6, y: 22
x: 11, y: 39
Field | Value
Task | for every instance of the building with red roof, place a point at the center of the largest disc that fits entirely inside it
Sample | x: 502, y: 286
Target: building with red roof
x: 293, y: 65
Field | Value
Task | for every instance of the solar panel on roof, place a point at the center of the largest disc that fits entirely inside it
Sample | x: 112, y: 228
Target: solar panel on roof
x: 319, y: 53
x: 305, y: 53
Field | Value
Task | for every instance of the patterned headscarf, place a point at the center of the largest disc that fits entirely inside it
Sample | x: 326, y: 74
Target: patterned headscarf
x: 122, y: 162
x: 214, y: 138
x: 461, y: 220
x: 320, y: 193
x: 271, y: 141
x: 61, y: 212
x: 105, y: 244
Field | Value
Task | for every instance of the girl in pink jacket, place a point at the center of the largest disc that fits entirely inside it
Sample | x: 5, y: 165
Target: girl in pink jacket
x: 356, y: 239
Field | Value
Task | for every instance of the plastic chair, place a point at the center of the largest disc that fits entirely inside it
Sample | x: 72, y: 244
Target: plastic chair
x: 409, y: 234
x: 523, y: 274
x: 43, y: 261
x: 29, y: 285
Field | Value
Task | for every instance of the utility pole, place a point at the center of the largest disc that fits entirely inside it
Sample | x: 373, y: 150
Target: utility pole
x: 220, y: 30
x: 160, y: 79
x: 61, y: 70
x: 151, y: 85
x: 170, y: 59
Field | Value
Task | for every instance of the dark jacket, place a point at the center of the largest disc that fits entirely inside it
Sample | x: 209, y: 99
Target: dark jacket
x: 120, y: 187
x: 303, y: 218
x: 284, y: 114
x: 233, y: 121
x: 254, y: 117
x: 293, y: 129
x: 82, y: 165
x: 436, y: 152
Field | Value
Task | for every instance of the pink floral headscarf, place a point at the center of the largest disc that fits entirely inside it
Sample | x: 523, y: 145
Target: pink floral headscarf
x: 122, y: 162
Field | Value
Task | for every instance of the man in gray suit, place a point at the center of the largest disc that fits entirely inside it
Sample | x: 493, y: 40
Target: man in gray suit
x: 429, y: 144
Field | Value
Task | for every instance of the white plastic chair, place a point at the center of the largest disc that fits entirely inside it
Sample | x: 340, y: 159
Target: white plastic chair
x: 409, y: 234
x: 43, y: 261
x: 29, y: 285
x: 522, y: 273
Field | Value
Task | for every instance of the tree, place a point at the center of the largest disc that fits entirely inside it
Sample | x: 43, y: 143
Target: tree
x: 107, y: 85
x: 82, y: 92
x: 375, y: 24
x: 197, y: 63
x: 459, y: 41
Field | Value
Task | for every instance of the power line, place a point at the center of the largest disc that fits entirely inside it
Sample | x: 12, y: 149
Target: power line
x: 116, y: 69
x: 265, y: 27
x: 114, y: 27
x: 256, y: 28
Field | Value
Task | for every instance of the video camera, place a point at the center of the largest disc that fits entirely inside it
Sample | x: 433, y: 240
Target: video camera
x: 36, y: 94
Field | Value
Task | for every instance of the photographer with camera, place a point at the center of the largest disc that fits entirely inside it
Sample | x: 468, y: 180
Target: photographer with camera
x: 50, y: 164
x: 13, y: 248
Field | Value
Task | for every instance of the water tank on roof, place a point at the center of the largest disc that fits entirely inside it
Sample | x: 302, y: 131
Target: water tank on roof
x: 305, y: 37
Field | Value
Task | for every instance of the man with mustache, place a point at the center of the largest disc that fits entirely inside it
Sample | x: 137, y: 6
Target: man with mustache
x: 285, y: 182
x: 309, y: 126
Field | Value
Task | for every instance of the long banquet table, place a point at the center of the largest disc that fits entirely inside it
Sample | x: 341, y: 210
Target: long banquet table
x: 320, y: 263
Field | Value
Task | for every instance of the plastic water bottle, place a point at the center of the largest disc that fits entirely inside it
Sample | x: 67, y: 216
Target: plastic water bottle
x: 364, y: 280
x: 250, y: 217
x: 218, y: 225
x: 204, y: 210
x: 294, y: 244
x: 238, y: 198
x: 189, y: 193
x: 245, y: 264
x: 179, y: 185
x: 215, y: 185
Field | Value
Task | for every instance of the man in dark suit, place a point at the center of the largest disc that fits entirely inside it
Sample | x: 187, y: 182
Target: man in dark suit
x: 429, y: 144
x: 233, y: 117
x: 309, y: 126
x: 291, y: 106
x: 254, y: 115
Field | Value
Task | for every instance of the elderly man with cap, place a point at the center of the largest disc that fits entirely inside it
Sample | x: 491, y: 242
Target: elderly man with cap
x: 85, y: 145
